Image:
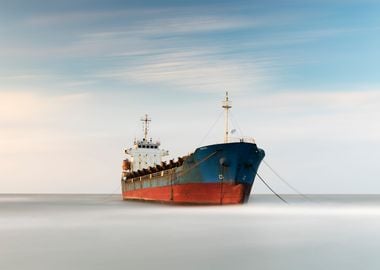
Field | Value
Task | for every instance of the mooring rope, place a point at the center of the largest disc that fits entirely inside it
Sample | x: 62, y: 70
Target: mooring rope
x: 265, y: 183
x: 286, y: 182
x: 107, y: 197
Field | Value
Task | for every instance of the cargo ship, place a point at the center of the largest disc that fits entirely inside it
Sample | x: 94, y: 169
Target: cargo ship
x: 213, y: 174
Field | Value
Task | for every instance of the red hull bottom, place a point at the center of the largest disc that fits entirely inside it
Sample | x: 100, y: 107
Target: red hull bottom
x: 195, y: 193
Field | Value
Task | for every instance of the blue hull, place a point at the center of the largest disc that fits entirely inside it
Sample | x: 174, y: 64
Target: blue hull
x: 232, y: 163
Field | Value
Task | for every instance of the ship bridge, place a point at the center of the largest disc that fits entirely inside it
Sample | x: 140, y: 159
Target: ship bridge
x: 146, y: 144
x: 145, y: 153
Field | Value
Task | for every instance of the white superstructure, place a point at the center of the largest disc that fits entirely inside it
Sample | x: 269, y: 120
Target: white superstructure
x: 145, y: 153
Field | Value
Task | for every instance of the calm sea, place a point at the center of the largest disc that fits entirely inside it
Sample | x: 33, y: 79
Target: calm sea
x: 103, y: 232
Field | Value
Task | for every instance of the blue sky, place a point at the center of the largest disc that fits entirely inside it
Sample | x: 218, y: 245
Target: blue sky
x: 76, y: 76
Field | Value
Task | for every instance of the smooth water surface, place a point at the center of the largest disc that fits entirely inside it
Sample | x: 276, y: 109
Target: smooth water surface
x: 104, y: 232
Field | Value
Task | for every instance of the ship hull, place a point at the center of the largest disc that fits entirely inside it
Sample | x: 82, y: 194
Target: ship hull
x: 214, y: 174
x: 194, y: 193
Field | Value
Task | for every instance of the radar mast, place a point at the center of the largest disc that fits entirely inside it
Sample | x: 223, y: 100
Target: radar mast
x: 145, y: 121
x: 226, y: 106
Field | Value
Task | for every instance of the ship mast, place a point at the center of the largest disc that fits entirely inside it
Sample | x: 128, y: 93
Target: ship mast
x: 145, y: 121
x: 226, y: 106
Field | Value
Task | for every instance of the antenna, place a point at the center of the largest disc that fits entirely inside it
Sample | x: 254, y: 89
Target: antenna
x: 226, y: 106
x: 145, y: 121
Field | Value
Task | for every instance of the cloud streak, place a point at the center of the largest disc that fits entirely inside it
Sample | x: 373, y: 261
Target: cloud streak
x: 172, y: 48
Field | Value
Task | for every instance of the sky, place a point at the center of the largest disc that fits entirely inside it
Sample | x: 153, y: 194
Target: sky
x: 77, y: 76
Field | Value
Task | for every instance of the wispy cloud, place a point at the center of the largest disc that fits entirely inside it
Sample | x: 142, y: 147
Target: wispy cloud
x: 171, y: 47
x: 60, y: 18
x: 21, y: 77
x: 154, y: 51
x: 192, y: 72
x: 288, y: 38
